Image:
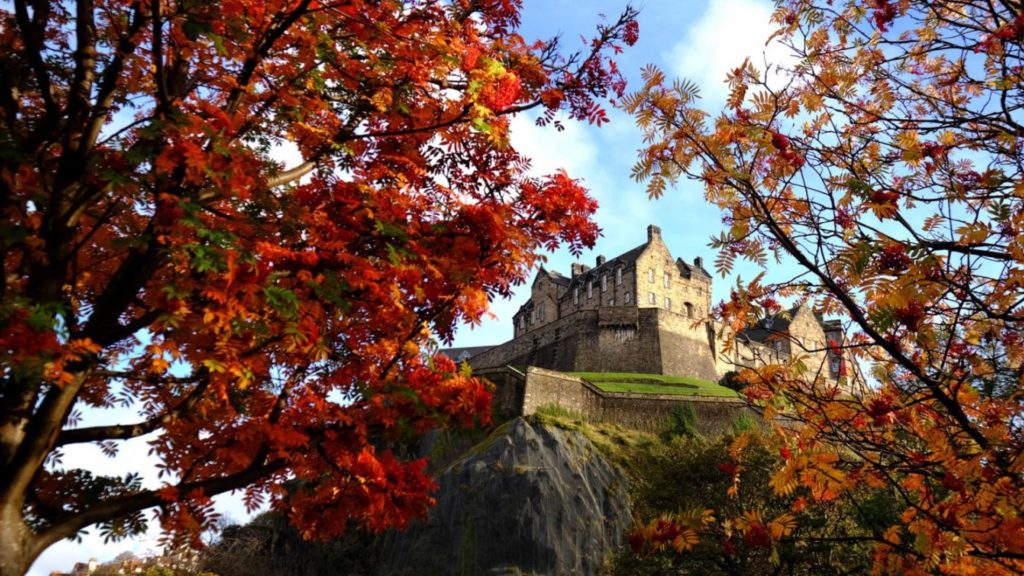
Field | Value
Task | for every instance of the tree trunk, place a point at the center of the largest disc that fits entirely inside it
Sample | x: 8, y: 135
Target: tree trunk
x: 15, y: 543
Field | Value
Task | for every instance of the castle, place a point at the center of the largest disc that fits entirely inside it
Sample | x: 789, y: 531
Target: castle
x: 647, y: 312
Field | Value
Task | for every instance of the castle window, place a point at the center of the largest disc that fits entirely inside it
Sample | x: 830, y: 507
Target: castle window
x: 650, y: 275
x: 618, y: 276
x: 576, y: 295
x: 668, y: 279
x: 590, y: 289
x: 625, y: 297
x: 611, y: 302
x: 668, y: 303
x: 651, y: 298
x: 689, y: 310
x: 604, y: 282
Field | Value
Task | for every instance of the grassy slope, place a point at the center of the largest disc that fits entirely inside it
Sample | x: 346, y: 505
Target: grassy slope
x: 653, y: 384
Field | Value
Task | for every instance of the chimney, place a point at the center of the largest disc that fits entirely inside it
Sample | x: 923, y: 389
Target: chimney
x: 832, y: 326
x: 652, y: 232
x: 699, y: 263
x: 600, y: 260
x: 578, y: 269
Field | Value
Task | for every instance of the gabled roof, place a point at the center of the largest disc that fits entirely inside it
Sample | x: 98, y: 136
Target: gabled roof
x: 559, y: 278
x: 774, y: 325
x: 778, y: 324
x: 464, y: 353
x: 691, y: 268
x: 624, y: 259
x: 555, y: 277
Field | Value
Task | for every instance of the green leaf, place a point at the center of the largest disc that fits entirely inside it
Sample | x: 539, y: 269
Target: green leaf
x: 282, y: 300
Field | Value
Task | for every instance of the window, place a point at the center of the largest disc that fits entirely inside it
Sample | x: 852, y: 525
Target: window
x: 590, y: 289
x: 834, y: 363
x: 618, y: 276
x: 651, y: 298
x: 668, y: 303
x: 611, y: 302
x: 625, y: 298
x: 576, y: 295
x: 650, y: 275
x: 689, y: 310
x: 604, y: 282
x: 668, y: 279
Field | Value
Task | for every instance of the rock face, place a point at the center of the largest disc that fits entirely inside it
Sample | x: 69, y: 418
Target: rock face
x: 534, y: 500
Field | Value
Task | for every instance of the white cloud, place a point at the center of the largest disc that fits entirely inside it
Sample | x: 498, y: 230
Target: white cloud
x: 549, y: 150
x: 575, y: 150
x: 727, y: 32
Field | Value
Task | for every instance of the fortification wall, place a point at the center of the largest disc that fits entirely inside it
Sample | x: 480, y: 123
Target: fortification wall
x: 685, y: 347
x: 509, y: 390
x: 612, y: 339
x: 552, y: 346
x: 550, y: 388
x: 715, y: 415
x: 623, y: 340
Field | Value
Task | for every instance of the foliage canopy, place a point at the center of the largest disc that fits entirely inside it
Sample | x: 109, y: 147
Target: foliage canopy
x: 884, y: 160
x: 267, y: 322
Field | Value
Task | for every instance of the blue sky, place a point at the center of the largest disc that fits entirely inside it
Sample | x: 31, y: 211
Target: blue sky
x: 700, y: 41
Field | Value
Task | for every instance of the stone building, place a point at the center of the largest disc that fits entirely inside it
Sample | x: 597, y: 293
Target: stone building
x: 645, y: 311
x: 645, y: 277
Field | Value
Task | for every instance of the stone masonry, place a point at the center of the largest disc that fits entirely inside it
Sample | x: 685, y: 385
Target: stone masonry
x: 646, y: 311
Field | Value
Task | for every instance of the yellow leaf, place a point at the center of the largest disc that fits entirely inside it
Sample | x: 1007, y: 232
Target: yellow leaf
x: 782, y: 526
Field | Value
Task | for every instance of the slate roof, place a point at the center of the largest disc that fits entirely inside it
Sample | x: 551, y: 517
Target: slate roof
x: 774, y: 325
x: 557, y: 277
x: 691, y: 267
x: 626, y: 258
x: 464, y: 353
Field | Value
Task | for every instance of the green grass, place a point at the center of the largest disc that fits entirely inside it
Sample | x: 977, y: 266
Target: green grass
x: 654, y: 384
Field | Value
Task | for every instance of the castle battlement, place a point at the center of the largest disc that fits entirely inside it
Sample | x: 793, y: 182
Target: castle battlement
x: 645, y: 277
x: 645, y: 311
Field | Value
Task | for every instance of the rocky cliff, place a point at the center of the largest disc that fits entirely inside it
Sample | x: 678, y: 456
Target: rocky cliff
x: 533, y: 499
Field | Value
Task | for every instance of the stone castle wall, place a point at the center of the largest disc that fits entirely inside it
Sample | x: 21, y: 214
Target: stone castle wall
x: 689, y: 297
x: 619, y: 339
x: 509, y: 390
x: 551, y: 388
x: 715, y: 415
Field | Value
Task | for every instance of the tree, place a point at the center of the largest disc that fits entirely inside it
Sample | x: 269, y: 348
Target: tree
x: 269, y: 546
x: 883, y: 163
x: 268, y: 322
x: 696, y: 474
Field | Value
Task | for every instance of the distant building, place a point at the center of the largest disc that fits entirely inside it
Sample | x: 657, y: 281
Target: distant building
x: 645, y: 311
